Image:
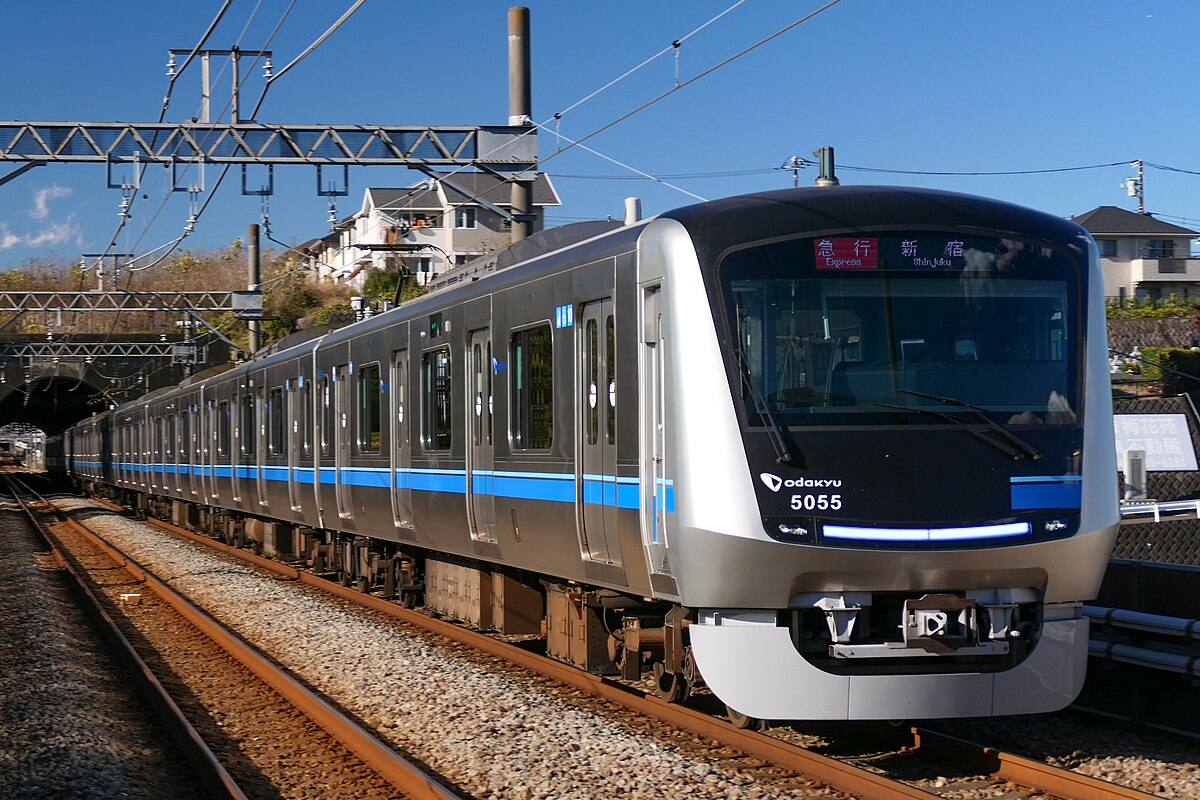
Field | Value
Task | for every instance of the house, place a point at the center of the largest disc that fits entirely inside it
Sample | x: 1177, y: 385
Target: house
x: 427, y: 228
x: 332, y: 257
x: 1143, y: 257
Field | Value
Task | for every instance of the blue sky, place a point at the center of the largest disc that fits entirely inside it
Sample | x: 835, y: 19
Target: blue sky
x: 925, y: 85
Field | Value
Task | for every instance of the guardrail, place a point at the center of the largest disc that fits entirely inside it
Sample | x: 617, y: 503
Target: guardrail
x: 1175, y: 643
x: 1157, y: 508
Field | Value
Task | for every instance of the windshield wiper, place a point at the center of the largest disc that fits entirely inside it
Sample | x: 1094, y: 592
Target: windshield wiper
x: 783, y: 453
x: 1011, y: 452
x: 1016, y: 441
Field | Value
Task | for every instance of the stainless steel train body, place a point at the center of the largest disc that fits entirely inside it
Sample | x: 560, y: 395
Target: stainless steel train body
x: 856, y: 441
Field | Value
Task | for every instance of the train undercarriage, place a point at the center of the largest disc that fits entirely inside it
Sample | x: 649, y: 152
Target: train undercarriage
x: 597, y: 630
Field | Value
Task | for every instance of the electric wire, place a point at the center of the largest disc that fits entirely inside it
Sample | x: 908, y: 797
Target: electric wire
x: 694, y: 78
x: 678, y: 85
x: 645, y: 175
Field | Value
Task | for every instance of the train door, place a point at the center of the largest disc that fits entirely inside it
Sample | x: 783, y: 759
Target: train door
x: 401, y: 443
x: 242, y: 428
x: 596, y: 466
x: 178, y: 438
x: 208, y: 483
x: 193, y: 437
x: 323, y: 417
x: 262, y: 419
x: 652, y: 449
x: 295, y: 433
x: 341, y: 436
x: 481, y: 504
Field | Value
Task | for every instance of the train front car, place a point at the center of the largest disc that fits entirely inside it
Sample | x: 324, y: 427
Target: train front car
x: 890, y: 449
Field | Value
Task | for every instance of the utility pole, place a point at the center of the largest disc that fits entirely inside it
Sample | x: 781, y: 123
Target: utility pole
x: 255, y: 280
x: 520, y: 113
x: 794, y: 163
x: 1135, y: 187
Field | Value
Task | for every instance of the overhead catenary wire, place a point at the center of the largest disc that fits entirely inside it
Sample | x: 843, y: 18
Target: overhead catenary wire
x: 680, y: 85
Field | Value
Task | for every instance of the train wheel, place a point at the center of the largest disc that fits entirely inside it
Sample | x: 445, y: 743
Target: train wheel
x: 344, y: 578
x: 363, y: 585
x: 740, y: 720
x: 408, y: 599
x: 672, y: 687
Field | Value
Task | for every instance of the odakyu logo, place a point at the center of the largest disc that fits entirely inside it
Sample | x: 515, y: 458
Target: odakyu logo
x: 775, y: 483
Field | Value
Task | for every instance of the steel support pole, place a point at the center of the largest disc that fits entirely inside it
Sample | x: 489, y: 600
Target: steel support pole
x: 520, y: 111
x: 255, y: 284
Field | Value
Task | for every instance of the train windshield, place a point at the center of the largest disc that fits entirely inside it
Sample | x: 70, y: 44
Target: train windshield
x: 922, y: 328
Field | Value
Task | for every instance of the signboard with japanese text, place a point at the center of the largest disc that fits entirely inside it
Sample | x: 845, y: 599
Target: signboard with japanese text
x: 1163, y: 437
x: 903, y: 253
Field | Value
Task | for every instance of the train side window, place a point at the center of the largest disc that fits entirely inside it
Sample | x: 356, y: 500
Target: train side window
x: 592, y: 343
x: 327, y: 416
x: 223, y: 424
x: 610, y: 386
x: 370, y: 407
x: 304, y: 417
x: 247, y: 425
x: 277, y: 421
x: 437, y: 390
x: 532, y: 388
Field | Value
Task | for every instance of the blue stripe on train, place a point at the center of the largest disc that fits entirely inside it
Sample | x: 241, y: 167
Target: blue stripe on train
x: 551, y: 487
x: 1032, y: 492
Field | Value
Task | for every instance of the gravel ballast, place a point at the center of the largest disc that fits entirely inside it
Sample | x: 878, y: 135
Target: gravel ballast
x: 71, y: 723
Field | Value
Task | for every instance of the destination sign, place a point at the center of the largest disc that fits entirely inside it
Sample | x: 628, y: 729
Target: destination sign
x: 947, y: 253
x: 847, y: 253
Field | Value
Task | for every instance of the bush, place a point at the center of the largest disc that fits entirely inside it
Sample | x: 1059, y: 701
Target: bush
x: 1178, y: 359
x: 1145, y: 308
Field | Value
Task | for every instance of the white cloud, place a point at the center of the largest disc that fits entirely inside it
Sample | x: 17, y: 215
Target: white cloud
x: 42, y: 198
x: 52, y: 234
x: 55, y: 233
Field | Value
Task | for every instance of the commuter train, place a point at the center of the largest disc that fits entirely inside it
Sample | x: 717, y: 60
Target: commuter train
x: 835, y: 453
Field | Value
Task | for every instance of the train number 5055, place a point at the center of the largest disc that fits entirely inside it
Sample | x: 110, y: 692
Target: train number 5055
x: 816, y: 502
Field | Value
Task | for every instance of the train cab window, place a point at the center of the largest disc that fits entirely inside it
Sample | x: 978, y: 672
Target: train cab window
x: 370, y: 390
x: 437, y: 392
x: 224, y: 421
x: 247, y: 425
x: 277, y: 422
x: 327, y: 416
x: 870, y: 330
x: 532, y: 384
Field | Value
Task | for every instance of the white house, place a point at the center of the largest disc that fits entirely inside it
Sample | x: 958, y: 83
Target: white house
x: 1142, y: 256
x: 427, y: 228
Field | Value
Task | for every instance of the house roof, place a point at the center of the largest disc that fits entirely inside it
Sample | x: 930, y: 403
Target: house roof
x: 421, y: 197
x: 1110, y: 220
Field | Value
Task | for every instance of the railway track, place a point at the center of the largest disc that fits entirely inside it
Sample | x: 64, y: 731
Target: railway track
x: 1004, y: 772
x: 250, y: 728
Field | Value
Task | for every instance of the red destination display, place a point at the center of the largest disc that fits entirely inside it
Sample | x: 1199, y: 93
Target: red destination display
x: 847, y: 253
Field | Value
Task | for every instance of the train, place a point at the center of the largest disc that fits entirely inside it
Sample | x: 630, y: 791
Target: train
x: 834, y: 453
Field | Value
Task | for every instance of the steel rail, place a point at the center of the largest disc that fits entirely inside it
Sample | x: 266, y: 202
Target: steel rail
x: 1022, y: 771
x: 837, y: 774
x: 212, y: 773
x: 390, y: 765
